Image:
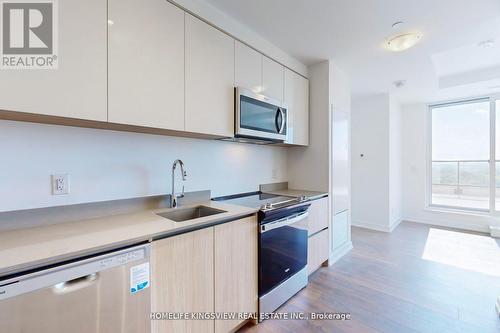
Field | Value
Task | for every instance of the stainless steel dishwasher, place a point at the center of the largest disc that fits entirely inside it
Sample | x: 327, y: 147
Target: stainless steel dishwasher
x: 106, y: 293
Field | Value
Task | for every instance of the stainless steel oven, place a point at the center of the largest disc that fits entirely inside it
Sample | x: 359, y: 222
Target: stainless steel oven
x: 258, y: 116
x: 282, y: 245
x: 282, y: 255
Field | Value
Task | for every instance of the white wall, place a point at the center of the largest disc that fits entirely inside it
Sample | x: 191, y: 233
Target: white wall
x: 106, y: 165
x: 414, y: 164
x: 309, y: 166
x: 225, y: 22
x: 370, y: 174
x: 395, y: 164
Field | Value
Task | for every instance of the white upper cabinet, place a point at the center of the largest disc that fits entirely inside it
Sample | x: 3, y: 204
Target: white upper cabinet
x: 272, y: 79
x: 77, y: 88
x: 146, y: 64
x: 209, y: 79
x: 248, y: 67
x: 296, y: 97
x: 257, y: 72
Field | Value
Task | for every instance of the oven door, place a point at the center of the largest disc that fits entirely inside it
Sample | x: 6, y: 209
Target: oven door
x: 282, y: 250
x: 260, y: 117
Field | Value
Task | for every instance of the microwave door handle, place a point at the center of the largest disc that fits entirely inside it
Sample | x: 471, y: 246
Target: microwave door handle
x: 276, y: 123
x: 282, y: 125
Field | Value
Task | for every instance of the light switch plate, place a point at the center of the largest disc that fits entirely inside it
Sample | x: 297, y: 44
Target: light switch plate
x: 60, y: 184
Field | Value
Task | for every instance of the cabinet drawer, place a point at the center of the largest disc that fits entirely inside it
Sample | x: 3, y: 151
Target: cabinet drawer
x: 318, y: 215
x: 317, y: 250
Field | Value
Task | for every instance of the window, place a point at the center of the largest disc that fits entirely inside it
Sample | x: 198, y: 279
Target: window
x: 460, y: 163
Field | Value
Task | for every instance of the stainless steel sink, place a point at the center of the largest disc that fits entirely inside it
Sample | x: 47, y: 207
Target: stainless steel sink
x: 186, y: 214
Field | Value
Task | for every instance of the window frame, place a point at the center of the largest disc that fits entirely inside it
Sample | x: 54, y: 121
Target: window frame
x: 428, y: 191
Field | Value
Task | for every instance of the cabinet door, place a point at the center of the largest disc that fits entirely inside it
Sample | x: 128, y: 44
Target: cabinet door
x: 317, y: 250
x: 183, y: 280
x: 146, y: 64
x: 248, y: 67
x: 272, y: 79
x: 209, y: 79
x: 296, y: 97
x: 318, y: 215
x: 340, y: 160
x: 236, y: 270
x: 341, y: 229
x: 77, y: 88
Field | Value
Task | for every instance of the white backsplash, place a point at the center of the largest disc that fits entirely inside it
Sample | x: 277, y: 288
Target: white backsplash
x: 107, y: 165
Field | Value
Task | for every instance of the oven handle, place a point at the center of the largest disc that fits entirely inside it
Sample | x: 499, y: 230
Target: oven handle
x: 283, y: 222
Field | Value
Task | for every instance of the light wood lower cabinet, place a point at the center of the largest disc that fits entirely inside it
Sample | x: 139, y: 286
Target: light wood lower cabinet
x: 318, y: 242
x: 318, y: 215
x: 317, y: 250
x: 183, y: 280
x: 235, y: 270
x: 208, y: 270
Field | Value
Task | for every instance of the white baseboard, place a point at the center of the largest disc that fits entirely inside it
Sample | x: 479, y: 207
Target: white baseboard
x: 495, y: 232
x: 377, y: 227
x: 450, y: 224
x: 339, y: 253
x: 394, y: 224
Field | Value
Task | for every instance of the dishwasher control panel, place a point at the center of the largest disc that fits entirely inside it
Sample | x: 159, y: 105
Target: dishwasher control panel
x: 85, y: 270
x: 122, y: 259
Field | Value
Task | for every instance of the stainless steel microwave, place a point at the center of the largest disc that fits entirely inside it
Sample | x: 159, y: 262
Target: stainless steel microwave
x: 259, y: 117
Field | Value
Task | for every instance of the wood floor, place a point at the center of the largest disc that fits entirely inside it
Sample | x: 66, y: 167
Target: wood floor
x: 403, y: 282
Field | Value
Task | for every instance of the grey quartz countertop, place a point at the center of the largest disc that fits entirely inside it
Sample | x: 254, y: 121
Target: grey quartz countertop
x: 43, y: 245
x: 312, y: 195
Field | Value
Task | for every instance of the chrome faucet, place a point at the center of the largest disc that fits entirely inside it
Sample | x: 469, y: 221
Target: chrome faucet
x: 174, y: 196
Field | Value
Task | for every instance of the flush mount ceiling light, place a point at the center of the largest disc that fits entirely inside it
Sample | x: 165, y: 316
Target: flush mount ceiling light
x: 399, y: 83
x: 486, y: 44
x: 403, y: 42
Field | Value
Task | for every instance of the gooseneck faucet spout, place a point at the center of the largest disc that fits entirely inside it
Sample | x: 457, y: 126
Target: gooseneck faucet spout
x: 174, y: 196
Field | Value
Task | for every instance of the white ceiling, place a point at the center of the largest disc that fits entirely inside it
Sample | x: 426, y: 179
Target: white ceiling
x: 447, y: 64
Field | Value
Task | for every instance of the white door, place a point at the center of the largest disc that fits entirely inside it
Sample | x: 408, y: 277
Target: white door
x: 273, y: 76
x: 495, y: 155
x: 340, y: 160
x: 248, y: 67
x: 146, y: 64
x: 77, y: 88
x: 296, y: 98
x: 209, y: 79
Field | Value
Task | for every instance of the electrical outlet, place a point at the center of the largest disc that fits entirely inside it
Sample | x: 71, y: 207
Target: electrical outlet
x: 60, y: 184
x: 274, y: 174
